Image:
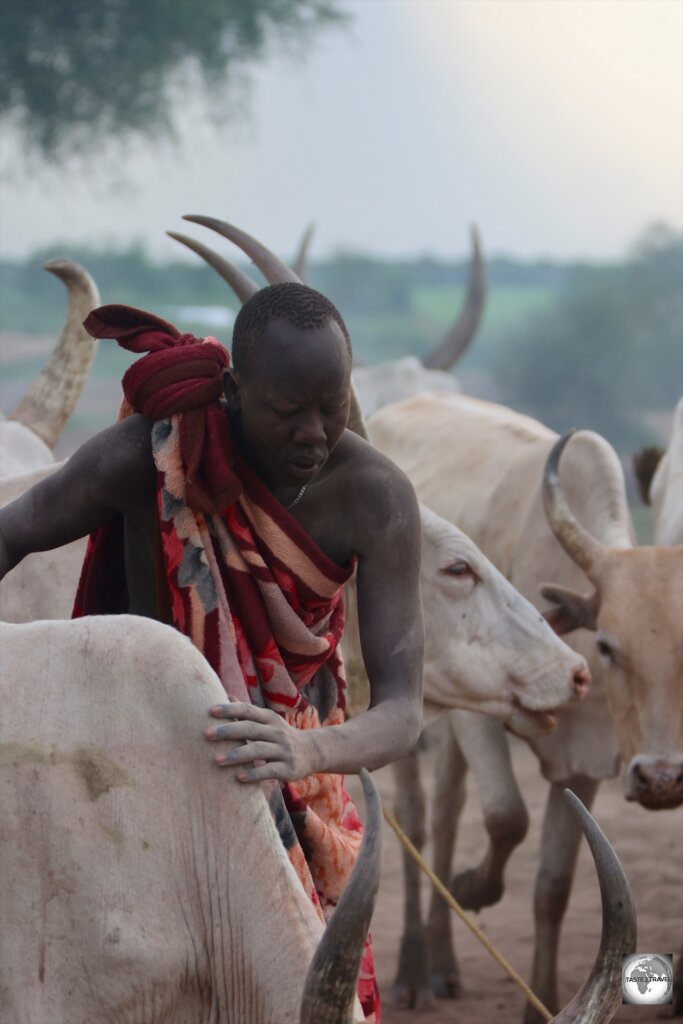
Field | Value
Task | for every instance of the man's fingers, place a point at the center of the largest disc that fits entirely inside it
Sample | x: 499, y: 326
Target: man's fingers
x: 241, y: 731
x: 249, y: 752
x: 273, y: 770
x: 240, y: 710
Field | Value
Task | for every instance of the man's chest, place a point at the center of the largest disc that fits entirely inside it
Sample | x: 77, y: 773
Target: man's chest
x: 328, y: 519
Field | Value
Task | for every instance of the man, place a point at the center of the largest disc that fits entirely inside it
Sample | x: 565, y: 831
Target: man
x: 239, y: 522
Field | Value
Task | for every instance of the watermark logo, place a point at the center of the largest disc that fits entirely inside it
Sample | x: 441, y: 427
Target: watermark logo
x: 647, y: 979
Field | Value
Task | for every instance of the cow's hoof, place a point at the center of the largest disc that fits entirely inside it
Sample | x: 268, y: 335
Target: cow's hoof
x: 405, y: 996
x: 446, y: 985
x: 473, y: 893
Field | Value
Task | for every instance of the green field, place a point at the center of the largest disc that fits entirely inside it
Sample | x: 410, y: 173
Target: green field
x: 432, y: 310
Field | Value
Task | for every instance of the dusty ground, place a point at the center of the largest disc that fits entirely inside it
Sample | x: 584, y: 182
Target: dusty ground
x: 650, y: 846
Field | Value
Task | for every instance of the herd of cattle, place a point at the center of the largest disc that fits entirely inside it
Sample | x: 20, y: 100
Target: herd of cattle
x: 547, y: 551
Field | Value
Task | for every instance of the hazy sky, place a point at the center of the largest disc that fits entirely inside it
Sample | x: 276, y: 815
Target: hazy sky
x: 553, y: 124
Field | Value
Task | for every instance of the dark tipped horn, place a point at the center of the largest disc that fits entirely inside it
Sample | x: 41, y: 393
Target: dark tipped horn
x: 599, y: 998
x: 645, y: 464
x: 330, y: 989
x: 241, y: 283
x: 579, y: 544
x: 270, y: 265
x: 460, y: 336
x: 300, y: 264
x: 53, y: 395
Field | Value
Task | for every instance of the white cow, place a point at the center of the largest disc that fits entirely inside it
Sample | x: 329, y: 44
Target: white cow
x: 32, y: 429
x: 486, y: 647
x: 138, y: 880
x: 662, y: 484
x: 481, y: 465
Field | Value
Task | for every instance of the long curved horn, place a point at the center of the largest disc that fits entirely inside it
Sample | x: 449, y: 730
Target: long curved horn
x: 241, y: 283
x: 599, y: 998
x: 300, y: 264
x: 579, y: 544
x: 270, y: 265
x: 458, y: 339
x: 330, y: 988
x: 54, y: 393
x: 275, y: 272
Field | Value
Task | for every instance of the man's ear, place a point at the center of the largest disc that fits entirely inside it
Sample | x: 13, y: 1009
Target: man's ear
x: 231, y: 388
x: 571, y: 611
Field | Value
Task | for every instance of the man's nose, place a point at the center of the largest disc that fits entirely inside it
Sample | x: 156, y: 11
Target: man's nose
x: 308, y: 429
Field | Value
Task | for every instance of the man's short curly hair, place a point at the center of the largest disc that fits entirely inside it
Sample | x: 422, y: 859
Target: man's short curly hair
x: 296, y: 303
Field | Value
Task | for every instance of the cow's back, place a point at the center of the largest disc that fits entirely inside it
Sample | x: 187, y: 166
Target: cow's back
x: 138, y: 878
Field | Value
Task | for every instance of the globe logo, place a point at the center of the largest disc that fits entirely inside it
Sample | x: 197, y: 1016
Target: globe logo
x: 647, y: 979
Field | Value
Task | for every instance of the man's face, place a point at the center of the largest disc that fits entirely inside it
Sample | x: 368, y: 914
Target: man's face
x: 294, y: 400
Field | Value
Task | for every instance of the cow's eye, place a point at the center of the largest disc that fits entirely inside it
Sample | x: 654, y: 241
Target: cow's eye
x: 459, y: 568
x: 605, y: 650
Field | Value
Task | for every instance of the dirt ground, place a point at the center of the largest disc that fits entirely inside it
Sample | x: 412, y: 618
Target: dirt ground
x: 650, y: 846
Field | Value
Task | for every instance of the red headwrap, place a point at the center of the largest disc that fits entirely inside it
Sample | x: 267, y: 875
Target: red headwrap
x: 181, y: 374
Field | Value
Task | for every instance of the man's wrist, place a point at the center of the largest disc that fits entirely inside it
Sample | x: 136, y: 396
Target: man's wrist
x: 314, y: 750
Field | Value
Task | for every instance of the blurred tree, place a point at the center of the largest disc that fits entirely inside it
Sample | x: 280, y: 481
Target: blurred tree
x: 609, y: 347
x: 70, y: 69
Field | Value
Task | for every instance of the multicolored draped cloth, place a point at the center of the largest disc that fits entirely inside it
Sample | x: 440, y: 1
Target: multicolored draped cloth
x: 238, y: 576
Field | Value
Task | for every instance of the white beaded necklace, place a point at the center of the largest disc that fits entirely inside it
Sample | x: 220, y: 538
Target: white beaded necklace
x: 297, y: 499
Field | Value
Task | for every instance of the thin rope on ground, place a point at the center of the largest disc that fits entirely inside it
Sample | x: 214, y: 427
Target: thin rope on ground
x: 454, y: 905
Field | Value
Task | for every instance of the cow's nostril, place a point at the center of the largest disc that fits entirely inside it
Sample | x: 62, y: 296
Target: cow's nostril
x: 581, y: 681
x: 640, y: 775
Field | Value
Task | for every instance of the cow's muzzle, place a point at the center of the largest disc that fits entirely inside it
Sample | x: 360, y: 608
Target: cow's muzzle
x: 655, y: 782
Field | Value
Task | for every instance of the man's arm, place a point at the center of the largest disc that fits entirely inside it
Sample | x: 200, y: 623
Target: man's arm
x: 113, y: 472
x: 388, y: 542
x: 391, y: 634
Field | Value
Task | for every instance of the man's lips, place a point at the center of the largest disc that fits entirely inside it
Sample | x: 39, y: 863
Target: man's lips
x: 304, y: 466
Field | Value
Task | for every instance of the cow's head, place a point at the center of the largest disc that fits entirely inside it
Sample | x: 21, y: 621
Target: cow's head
x: 486, y: 647
x: 636, y: 613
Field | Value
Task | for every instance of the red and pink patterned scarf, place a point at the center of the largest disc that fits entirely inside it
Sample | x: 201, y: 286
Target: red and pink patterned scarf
x: 238, y: 576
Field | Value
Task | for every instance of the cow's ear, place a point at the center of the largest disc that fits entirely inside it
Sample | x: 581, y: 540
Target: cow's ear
x: 571, y: 611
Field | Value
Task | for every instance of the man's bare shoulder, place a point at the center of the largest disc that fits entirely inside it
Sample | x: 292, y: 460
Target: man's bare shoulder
x: 118, y: 463
x: 376, y: 487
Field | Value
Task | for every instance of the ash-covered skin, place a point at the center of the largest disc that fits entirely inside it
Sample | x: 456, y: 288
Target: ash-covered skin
x: 289, y: 410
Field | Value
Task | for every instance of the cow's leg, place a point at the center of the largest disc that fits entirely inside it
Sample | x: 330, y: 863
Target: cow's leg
x: 447, y: 803
x: 485, y: 746
x: 560, y: 842
x: 411, y: 984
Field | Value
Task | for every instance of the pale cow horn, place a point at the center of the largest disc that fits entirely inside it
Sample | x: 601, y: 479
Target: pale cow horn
x: 300, y: 264
x: 460, y: 336
x: 54, y: 393
x: 599, y: 998
x: 579, y: 544
x: 330, y: 988
x: 270, y: 265
x: 275, y: 272
x: 241, y: 283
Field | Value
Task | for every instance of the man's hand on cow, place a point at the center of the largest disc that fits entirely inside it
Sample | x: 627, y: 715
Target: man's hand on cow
x: 281, y: 751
